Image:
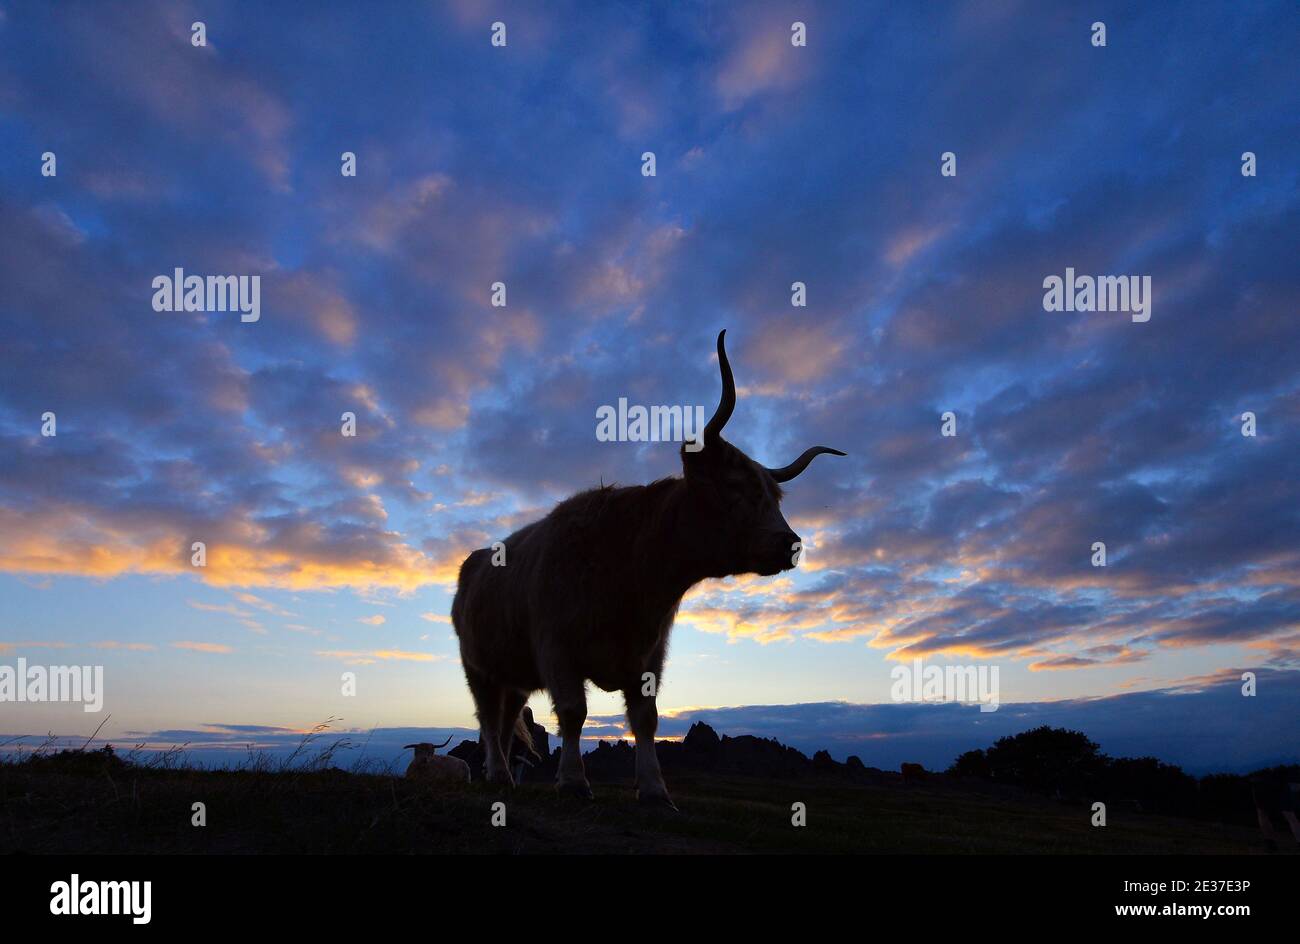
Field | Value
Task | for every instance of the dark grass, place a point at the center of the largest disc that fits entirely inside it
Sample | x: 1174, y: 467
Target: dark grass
x: 70, y: 804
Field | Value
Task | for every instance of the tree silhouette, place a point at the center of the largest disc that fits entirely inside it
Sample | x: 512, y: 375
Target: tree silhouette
x: 1046, y: 758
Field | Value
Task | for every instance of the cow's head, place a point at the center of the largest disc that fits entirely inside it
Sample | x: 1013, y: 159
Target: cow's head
x: 425, y: 749
x: 735, y: 502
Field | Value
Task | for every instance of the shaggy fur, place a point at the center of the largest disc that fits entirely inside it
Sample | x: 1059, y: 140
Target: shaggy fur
x: 590, y: 593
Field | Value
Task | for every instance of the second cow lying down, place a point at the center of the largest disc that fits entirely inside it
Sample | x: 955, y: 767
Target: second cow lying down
x: 431, y: 766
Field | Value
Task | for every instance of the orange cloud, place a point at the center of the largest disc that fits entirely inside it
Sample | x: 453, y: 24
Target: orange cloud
x: 762, y: 61
x: 375, y: 655
x: 203, y: 646
x: 11, y: 646
x: 68, y: 542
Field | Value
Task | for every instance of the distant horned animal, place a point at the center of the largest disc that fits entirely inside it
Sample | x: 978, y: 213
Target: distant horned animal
x: 429, y: 765
x: 590, y: 592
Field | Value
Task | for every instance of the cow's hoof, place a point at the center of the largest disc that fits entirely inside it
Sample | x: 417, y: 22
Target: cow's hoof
x: 656, y: 800
x: 577, y: 789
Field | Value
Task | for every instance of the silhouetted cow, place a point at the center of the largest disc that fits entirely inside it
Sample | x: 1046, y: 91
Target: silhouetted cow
x: 591, y: 591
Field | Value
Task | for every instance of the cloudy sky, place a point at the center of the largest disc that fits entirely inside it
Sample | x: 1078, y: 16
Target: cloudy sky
x: 523, y: 165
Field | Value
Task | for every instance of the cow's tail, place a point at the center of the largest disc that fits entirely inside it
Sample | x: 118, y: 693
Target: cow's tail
x: 525, y: 737
x: 521, y: 731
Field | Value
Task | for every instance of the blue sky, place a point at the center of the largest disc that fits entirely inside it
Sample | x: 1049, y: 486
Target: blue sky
x: 775, y: 164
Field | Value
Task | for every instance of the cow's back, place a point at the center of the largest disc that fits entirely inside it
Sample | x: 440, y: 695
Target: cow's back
x: 572, y: 583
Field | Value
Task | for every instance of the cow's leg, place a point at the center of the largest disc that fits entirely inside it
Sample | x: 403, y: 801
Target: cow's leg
x: 570, y: 700
x: 489, y: 699
x: 643, y: 718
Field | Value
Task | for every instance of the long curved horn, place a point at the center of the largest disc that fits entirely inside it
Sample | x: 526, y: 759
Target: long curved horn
x: 444, y: 743
x: 786, y: 473
x: 728, y: 402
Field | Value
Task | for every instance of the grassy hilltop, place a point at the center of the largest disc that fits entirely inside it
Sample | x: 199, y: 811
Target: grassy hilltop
x: 93, y: 802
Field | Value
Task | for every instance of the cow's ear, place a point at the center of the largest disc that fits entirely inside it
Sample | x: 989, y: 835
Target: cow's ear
x: 698, y: 463
x: 687, y: 459
x: 692, y: 459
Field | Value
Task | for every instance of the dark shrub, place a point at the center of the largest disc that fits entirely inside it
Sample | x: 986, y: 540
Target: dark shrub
x: 1047, y: 759
x: 971, y: 764
x: 1153, y: 786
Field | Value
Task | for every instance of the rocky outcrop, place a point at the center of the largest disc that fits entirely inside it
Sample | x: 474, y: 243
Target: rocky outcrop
x: 541, y: 768
x: 470, y: 752
x: 702, y: 750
